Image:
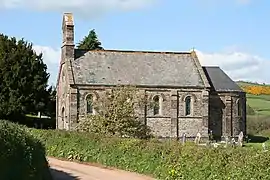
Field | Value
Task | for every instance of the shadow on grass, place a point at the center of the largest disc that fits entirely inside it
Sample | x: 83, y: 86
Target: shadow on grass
x: 61, y: 175
x: 257, y: 139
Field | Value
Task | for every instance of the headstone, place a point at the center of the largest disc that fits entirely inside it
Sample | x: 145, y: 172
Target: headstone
x: 226, y: 141
x: 240, y: 139
x: 264, y: 147
x: 233, y: 142
x: 198, y: 138
x: 211, y: 135
x: 215, y: 145
x: 183, y: 138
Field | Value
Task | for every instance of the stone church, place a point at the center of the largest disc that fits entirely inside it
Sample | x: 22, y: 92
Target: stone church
x: 191, y: 98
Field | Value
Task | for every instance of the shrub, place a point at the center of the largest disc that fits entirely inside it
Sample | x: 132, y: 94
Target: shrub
x: 22, y: 156
x: 164, y: 160
x: 250, y: 110
x: 257, y: 123
x: 256, y: 89
x: 116, y: 115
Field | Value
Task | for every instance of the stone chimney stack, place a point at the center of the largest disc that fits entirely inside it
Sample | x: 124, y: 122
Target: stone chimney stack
x: 68, y: 38
x: 68, y: 29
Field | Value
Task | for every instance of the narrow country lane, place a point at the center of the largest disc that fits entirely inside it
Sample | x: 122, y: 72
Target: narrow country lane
x: 66, y: 170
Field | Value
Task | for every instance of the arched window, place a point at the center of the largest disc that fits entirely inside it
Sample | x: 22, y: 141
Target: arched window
x: 156, y: 108
x: 188, y: 105
x: 89, y: 104
x: 63, y: 118
x: 239, y: 109
x: 63, y: 114
x: 63, y: 76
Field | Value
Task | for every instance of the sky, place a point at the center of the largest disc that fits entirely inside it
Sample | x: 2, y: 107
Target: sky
x: 232, y: 34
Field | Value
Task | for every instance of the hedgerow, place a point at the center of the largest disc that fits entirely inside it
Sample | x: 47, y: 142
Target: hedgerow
x: 163, y: 160
x: 22, y: 156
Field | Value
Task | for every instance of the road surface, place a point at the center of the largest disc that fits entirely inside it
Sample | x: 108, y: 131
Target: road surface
x: 66, y: 170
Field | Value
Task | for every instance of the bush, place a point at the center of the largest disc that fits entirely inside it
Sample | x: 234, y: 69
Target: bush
x: 258, y: 124
x: 167, y: 160
x: 22, y: 156
x: 116, y: 115
x: 250, y: 110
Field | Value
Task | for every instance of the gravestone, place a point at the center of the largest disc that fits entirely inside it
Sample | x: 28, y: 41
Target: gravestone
x: 233, y: 142
x: 264, y: 147
x: 240, y: 139
x: 198, y: 138
x: 183, y: 138
x: 211, y: 136
x: 226, y: 141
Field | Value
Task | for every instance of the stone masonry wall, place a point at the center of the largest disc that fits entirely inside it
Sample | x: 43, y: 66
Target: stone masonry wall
x: 66, y: 113
x: 62, y: 104
x: 171, y: 122
x: 224, y: 117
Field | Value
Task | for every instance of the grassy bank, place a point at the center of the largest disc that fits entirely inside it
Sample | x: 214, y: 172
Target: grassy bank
x: 167, y: 160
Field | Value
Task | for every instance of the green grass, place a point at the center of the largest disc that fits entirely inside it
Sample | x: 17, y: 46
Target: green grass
x: 259, y: 103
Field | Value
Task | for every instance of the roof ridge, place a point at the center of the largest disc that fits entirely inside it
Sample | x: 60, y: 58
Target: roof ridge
x: 141, y: 51
x: 211, y: 66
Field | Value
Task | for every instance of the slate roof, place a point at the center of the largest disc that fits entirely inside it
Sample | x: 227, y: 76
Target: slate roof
x: 220, y: 81
x: 112, y: 67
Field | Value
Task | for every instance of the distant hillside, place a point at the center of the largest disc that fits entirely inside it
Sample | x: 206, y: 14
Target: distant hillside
x: 245, y: 83
x: 258, y: 97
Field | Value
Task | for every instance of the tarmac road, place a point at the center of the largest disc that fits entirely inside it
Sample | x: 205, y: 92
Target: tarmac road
x: 67, y: 170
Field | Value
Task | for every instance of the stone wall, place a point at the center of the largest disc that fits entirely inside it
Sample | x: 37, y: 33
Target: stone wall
x: 224, y: 117
x: 62, y: 103
x: 66, y: 101
x: 171, y: 122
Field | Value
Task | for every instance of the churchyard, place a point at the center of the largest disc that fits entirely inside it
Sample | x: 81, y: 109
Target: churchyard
x: 171, y: 159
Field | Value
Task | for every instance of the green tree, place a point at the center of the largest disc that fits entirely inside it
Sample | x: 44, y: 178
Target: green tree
x: 50, y: 106
x: 23, y: 78
x: 90, y: 42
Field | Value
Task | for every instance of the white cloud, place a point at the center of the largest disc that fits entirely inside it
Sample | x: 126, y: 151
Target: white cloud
x: 51, y: 58
x: 83, y: 8
x: 238, y: 65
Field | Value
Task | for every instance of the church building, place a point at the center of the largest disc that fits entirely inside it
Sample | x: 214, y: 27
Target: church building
x: 192, y: 98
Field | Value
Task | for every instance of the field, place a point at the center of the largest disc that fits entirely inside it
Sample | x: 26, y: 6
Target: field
x: 259, y: 103
x: 258, y: 113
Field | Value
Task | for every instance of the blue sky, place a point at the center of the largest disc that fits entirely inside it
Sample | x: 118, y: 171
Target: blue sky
x: 233, y: 34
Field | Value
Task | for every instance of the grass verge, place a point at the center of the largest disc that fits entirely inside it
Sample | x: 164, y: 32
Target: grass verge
x: 167, y: 160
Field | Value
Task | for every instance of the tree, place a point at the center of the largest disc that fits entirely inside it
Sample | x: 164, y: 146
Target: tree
x: 23, y: 78
x: 50, y: 106
x: 90, y: 42
x: 116, y: 115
